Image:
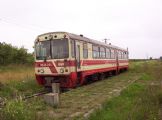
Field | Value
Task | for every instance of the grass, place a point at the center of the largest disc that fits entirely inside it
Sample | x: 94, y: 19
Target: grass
x: 137, y: 102
x: 17, y: 81
x: 18, y: 109
x: 16, y: 73
x: 141, y: 100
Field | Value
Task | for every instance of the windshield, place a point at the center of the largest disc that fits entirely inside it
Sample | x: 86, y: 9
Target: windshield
x: 42, y: 50
x: 59, y: 48
x: 53, y: 49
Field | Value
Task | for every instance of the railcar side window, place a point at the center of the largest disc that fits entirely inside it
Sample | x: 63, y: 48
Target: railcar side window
x: 125, y: 55
x: 102, y: 52
x: 72, y: 49
x: 112, y: 54
x: 85, y: 50
x: 108, y: 53
x: 119, y: 55
x: 95, y: 52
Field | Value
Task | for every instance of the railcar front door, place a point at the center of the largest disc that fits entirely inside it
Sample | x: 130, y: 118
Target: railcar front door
x: 78, y: 56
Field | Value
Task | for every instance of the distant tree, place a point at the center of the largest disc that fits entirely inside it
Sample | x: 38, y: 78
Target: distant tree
x: 10, y: 54
x: 160, y: 57
x: 150, y: 58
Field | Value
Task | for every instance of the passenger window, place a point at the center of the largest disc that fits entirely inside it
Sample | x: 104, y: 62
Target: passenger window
x: 122, y: 55
x: 112, y: 54
x: 119, y: 55
x: 95, y: 52
x: 126, y: 55
x: 85, y: 50
x: 108, y: 53
x: 102, y: 52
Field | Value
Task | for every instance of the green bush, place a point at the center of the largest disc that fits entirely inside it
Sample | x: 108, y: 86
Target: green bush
x: 10, y: 54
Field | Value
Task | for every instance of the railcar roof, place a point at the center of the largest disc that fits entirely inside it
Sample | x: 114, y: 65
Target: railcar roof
x: 79, y: 37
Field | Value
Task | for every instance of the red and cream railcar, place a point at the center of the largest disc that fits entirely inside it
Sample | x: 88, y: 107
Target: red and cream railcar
x: 69, y: 59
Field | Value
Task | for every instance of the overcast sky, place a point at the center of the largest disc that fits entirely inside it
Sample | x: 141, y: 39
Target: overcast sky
x: 136, y: 24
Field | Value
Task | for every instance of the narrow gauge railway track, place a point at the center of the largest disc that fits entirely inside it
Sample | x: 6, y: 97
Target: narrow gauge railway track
x: 45, y: 91
x: 36, y: 94
x: 48, y: 90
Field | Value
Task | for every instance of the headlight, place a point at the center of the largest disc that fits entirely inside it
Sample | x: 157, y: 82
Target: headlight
x: 61, y: 70
x: 41, y: 70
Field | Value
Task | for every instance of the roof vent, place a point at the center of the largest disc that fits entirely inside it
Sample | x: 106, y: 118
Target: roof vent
x: 81, y: 35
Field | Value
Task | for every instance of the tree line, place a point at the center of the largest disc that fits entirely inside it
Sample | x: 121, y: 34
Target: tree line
x: 13, y: 55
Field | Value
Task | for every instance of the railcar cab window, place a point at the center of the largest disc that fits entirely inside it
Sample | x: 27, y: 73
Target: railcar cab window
x: 42, y: 50
x: 108, y: 53
x: 95, y: 51
x: 102, y: 52
x: 60, y: 48
x: 72, y: 49
x: 52, y: 49
x: 85, y: 50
